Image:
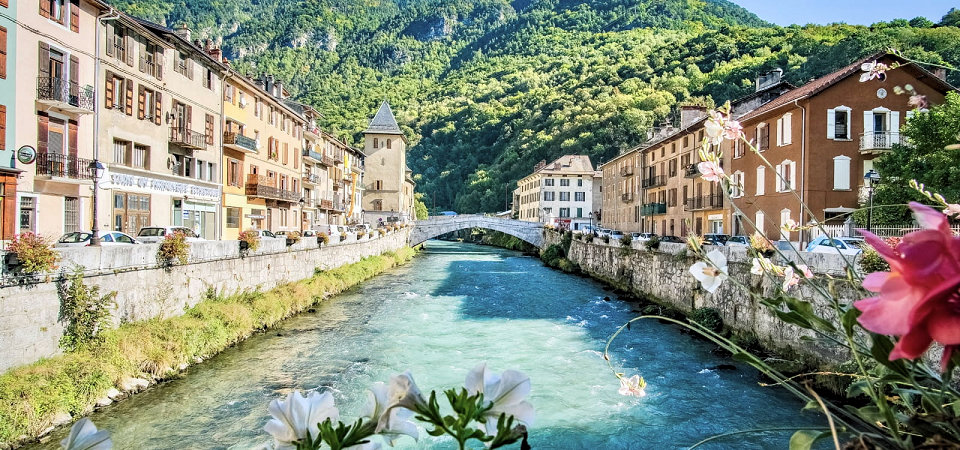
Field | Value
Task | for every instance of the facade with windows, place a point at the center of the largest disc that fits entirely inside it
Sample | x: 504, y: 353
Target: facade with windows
x: 820, y: 140
x: 317, y: 185
x: 56, y: 80
x: 8, y: 107
x: 559, y: 193
x: 387, y: 195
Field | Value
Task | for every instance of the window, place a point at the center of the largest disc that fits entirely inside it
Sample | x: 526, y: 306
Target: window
x: 564, y: 196
x: 114, y: 96
x: 785, y: 130
x: 233, y: 172
x: 233, y: 217
x: 548, y: 182
x: 28, y: 213
x: 784, y: 219
x: 257, y: 107
x: 579, y: 182
x: 761, y: 179
x: 208, y: 79
x: 121, y: 152
x: 208, y: 129
x: 376, y: 143
x: 758, y: 221
x: 838, y: 123
x: 672, y: 198
x: 673, y: 167
x: 686, y: 142
x: 211, y: 170
x: 71, y: 214
x: 841, y: 173
x: 146, y: 105
x: 564, y: 212
x: 737, y: 185
x: 549, y: 196
x: 389, y: 143
x: 141, y: 156
x: 786, y: 175
x: 738, y: 148
x: 53, y: 9
x: 763, y: 137
x: 580, y: 196
x: 564, y: 182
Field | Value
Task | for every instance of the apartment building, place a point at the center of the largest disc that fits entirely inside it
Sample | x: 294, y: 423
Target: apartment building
x: 559, y: 193
x: 354, y: 164
x: 620, y: 192
x: 821, y: 139
x: 315, y: 179
x: 54, y: 46
x: 388, y: 194
x: 8, y: 107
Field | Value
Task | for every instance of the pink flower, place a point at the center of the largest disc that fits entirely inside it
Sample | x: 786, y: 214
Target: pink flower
x: 711, y: 171
x: 732, y: 130
x: 873, y: 70
x: 919, y: 101
x: 790, y: 278
x: 919, y: 299
x: 953, y: 210
x: 719, y: 127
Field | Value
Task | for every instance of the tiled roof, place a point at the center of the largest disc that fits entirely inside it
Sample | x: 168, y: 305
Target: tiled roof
x: 569, y: 163
x: 384, y: 122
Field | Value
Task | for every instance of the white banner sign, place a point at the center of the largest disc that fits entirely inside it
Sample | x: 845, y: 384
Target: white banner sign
x: 156, y: 186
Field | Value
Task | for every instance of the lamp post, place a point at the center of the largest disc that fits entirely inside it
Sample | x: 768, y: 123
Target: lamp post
x: 301, y: 202
x: 97, y: 170
x: 590, y: 215
x: 870, y: 177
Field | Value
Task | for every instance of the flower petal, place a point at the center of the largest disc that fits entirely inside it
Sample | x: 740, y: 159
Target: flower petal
x: 514, y: 386
x: 475, y: 379
x: 930, y: 218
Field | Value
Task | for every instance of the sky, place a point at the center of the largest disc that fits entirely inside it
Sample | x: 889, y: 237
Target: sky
x: 857, y: 12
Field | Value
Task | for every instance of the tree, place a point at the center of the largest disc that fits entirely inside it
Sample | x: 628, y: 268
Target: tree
x: 921, y: 22
x: 419, y: 207
x: 926, y: 159
x: 951, y: 19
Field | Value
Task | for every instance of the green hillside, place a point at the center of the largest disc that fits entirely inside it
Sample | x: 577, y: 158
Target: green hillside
x: 487, y: 88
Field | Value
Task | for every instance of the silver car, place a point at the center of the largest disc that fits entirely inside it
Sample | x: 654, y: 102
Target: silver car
x: 153, y: 235
x: 82, y: 239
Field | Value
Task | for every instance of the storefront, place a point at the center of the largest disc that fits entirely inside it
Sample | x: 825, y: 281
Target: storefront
x: 138, y: 201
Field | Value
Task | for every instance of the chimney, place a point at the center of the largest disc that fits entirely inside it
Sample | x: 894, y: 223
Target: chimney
x: 768, y: 79
x: 217, y: 54
x: 183, y: 32
x: 279, y: 88
x: 690, y: 114
x: 540, y: 165
x: 940, y: 73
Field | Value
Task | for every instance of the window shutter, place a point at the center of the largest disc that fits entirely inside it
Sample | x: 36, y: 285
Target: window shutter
x: 72, y: 130
x: 788, y: 129
x: 867, y: 122
x: 894, y: 122
x: 779, y: 178
x: 75, y: 16
x: 189, y: 117
x: 158, y: 111
x: 780, y: 137
x: 141, y: 102
x: 43, y: 131
x: 3, y: 127
x: 3, y: 52
x: 74, y: 73
x: 129, y: 100
x: 158, y: 65
x: 209, y: 129
x: 45, y: 8
x: 44, y: 62
x: 108, y: 100
x: 143, y: 60
x: 831, y: 124
x: 128, y: 44
x: 793, y: 176
x: 761, y: 179
x: 841, y: 173
x: 110, y: 38
x: 189, y: 68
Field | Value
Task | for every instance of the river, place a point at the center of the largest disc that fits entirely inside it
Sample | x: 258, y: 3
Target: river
x: 452, y: 307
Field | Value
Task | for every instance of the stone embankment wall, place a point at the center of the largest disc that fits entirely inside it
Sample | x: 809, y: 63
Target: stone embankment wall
x: 663, y: 276
x: 30, y: 328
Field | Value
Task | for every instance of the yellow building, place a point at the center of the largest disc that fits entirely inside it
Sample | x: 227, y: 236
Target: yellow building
x: 262, y: 153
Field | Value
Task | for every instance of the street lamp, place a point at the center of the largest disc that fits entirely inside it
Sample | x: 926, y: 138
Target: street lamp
x: 301, y: 202
x: 96, y: 168
x: 590, y: 215
x: 870, y: 178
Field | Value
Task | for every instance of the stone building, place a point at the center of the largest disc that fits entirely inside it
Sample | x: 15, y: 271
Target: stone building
x: 388, y: 194
x: 821, y: 139
x: 559, y: 193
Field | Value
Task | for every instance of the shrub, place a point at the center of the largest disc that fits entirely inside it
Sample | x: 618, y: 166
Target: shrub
x: 567, y: 266
x: 361, y: 234
x: 653, y: 243
x: 871, y: 261
x: 323, y: 238
x: 626, y: 240
x: 293, y: 237
x: 251, y: 238
x: 709, y: 318
x: 174, y: 247
x: 34, y: 252
x: 552, y: 254
x: 84, y: 311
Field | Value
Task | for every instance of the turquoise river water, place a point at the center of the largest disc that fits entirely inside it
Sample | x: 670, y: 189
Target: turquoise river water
x: 454, y: 306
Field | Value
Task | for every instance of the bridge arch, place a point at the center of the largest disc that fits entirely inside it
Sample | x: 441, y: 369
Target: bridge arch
x: 531, y: 232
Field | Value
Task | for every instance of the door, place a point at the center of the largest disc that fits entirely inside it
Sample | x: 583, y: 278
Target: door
x: 131, y: 212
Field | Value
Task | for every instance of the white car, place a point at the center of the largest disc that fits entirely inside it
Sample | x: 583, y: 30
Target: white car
x: 334, y: 232
x: 82, y: 239
x: 153, y: 235
x: 844, y: 245
x: 265, y: 234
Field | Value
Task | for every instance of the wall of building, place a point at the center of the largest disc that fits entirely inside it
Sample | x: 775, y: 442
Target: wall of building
x: 386, y: 166
x: 29, y: 326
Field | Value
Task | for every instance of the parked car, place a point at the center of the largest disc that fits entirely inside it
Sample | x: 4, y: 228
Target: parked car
x: 333, y: 231
x: 265, y: 234
x: 642, y: 236
x: 153, y: 235
x: 603, y: 232
x: 365, y: 227
x: 739, y: 241
x: 82, y: 239
x: 715, y: 239
x: 308, y: 233
x: 843, y: 245
x: 616, y: 234
x: 673, y: 239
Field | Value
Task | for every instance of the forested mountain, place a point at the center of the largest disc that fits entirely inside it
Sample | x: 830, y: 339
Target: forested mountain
x: 487, y: 88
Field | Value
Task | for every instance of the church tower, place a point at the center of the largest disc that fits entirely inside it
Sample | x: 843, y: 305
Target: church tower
x: 385, y: 195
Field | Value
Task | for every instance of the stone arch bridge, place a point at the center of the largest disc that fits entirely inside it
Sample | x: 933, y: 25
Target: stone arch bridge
x: 531, y: 232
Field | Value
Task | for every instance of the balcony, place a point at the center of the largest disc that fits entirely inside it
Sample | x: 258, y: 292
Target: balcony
x: 337, y: 184
x: 703, y: 202
x: 338, y: 159
x: 879, y: 141
x: 65, y: 95
x: 58, y: 165
x: 692, y: 171
x: 312, y: 130
x: 311, y: 178
x: 326, y: 204
x: 654, y: 181
x: 326, y: 161
x: 239, y: 142
x: 650, y: 209
x: 626, y: 171
x: 260, y: 186
x: 312, y: 155
x: 356, y: 169
x: 347, y: 179
x: 188, y: 138
x: 628, y: 197
x: 308, y: 202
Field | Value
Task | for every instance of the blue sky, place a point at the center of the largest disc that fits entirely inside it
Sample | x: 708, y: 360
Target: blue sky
x: 859, y: 12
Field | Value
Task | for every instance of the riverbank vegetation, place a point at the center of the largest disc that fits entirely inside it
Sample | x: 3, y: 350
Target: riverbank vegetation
x: 36, y: 397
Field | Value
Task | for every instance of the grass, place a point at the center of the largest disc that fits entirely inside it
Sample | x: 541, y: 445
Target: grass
x: 32, y: 395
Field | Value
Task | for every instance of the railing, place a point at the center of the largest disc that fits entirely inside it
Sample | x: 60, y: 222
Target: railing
x: 64, y: 166
x: 313, y: 155
x: 187, y: 138
x: 311, y: 178
x: 148, y: 66
x: 66, y: 92
x: 628, y: 197
x: 337, y: 159
x: 880, y: 140
x: 262, y: 187
x: 308, y: 202
x: 347, y: 179
x: 337, y: 184
x: 649, y: 209
x: 691, y: 171
x: 326, y: 204
x: 654, y: 181
x: 626, y: 171
x: 703, y: 202
x: 239, y: 140
x: 327, y: 161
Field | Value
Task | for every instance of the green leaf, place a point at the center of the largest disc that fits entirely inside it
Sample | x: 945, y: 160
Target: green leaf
x: 804, y: 439
x: 849, y: 320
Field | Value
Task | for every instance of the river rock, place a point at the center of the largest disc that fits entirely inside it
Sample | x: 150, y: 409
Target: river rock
x: 105, y: 401
x: 113, y: 393
x: 133, y: 384
x: 183, y: 366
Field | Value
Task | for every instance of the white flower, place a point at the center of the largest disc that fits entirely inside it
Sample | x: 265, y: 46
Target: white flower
x: 790, y: 278
x: 711, y: 276
x: 952, y: 210
x: 760, y: 265
x: 806, y: 271
x: 633, y: 386
x: 296, y: 416
x: 710, y: 170
x: 507, y: 393
x: 401, y: 393
x: 714, y: 128
x: 873, y: 70
x: 397, y: 422
x: 85, y: 436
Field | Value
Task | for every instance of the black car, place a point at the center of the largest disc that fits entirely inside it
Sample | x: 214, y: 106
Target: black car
x: 715, y: 239
x: 674, y: 239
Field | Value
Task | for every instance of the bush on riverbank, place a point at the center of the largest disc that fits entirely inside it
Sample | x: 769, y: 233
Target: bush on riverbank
x: 504, y: 240
x: 32, y: 396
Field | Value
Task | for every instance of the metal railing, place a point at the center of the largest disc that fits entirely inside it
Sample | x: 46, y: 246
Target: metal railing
x: 64, y: 166
x: 187, y: 138
x: 262, y: 187
x: 691, y: 171
x: 879, y: 140
x: 628, y: 197
x: 649, y: 209
x: 703, y: 202
x: 326, y: 161
x: 313, y: 155
x: 626, y: 171
x: 65, y: 91
x: 311, y: 178
x: 239, y: 140
x: 654, y: 181
x: 326, y: 204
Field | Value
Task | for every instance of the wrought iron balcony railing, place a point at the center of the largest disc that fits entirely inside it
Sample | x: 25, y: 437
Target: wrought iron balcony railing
x: 262, y: 187
x: 187, y: 138
x: 650, y: 209
x: 63, y: 166
x: 654, y: 181
x: 239, y: 142
x: 878, y: 141
x: 703, y: 202
x: 65, y: 94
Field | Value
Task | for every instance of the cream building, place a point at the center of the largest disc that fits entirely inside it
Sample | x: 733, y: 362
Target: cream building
x: 559, y: 193
x: 388, y: 192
